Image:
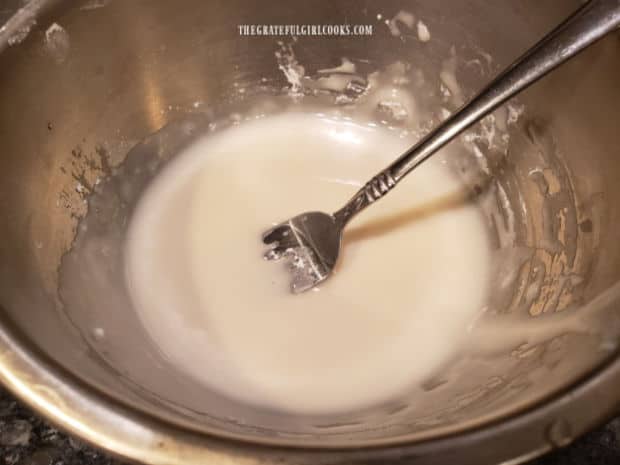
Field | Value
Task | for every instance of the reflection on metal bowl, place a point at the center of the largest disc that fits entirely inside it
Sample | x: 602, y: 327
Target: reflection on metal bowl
x: 104, y: 91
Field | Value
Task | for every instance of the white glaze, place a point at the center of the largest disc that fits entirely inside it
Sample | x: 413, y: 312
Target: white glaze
x: 411, y: 279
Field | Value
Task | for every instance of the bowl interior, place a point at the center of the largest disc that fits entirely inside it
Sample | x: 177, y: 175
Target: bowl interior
x: 128, y: 85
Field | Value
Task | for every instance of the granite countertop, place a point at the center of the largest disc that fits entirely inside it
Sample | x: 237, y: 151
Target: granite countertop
x: 26, y: 439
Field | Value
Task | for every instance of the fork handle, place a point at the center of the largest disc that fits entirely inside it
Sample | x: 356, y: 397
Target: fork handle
x: 585, y: 26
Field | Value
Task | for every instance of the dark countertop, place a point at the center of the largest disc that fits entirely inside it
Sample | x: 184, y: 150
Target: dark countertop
x: 25, y: 439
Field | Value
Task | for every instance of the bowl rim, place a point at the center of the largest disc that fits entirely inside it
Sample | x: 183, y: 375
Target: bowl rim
x: 109, y: 424
x: 122, y: 430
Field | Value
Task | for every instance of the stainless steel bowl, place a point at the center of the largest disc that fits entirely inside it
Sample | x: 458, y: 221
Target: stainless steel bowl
x: 124, y: 83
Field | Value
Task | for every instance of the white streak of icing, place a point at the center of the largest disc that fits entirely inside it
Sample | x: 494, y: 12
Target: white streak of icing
x: 445, y: 92
x: 293, y: 71
x: 387, y: 98
x: 20, y: 35
x: 484, y: 164
x: 394, y: 105
x: 335, y: 82
x: 394, y: 110
x: 488, y: 130
x: 403, y: 17
x: 488, y: 58
x: 54, y: 28
x: 507, y: 235
x: 423, y: 33
x: 501, y: 118
x: 495, y: 334
x: 514, y: 112
x: 94, y: 4
x: 448, y: 78
x: 57, y: 42
x: 98, y: 333
x: 346, y: 66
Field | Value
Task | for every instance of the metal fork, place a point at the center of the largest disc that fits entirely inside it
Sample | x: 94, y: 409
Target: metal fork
x: 311, y: 241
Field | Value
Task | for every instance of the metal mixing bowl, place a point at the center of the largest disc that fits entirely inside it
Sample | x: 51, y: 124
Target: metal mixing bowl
x: 75, y: 101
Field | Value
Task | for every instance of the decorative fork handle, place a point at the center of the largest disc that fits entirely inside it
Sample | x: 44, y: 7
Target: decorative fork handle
x: 372, y: 191
x: 584, y: 27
